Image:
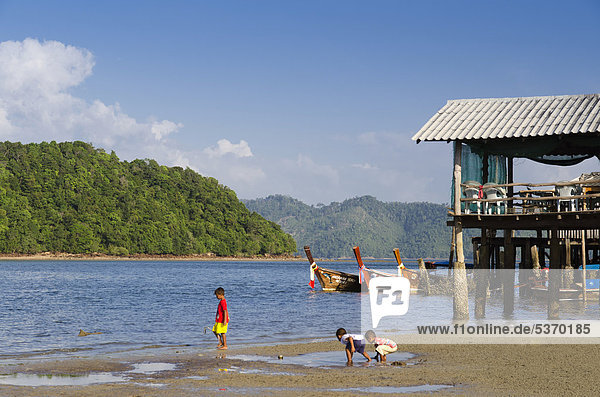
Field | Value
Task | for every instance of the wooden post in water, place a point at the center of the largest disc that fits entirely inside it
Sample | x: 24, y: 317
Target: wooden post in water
x: 424, y: 278
x: 568, y: 272
x: 535, y: 262
x: 461, y: 296
x: 554, y: 277
x: 525, y: 269
x: 500, y: 269
x: 540, y: 248
x: 584, y: 261
x: 452, y: 249
x: 482, y: 269
x: 583, y: 266
x: 508, y: 273
x: 476, y: 254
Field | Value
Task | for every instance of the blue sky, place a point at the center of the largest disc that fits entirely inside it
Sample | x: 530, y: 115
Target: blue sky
x: 313, y: 99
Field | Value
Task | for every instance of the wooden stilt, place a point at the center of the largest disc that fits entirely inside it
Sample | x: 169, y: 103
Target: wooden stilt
x: 461, y: 296
x: 584, y: 262
x: 535, y: 262
x: 554, y: 277
x: 452, y: 249
x: 482, y: 270
x: 500, y: 267
x: 476, y: 254
x: 452, y: 252
x: 568, y: 272
x: 461, y: 293
x: 424, y: 278
x: 583, y: 266
x: 508, y: 274
x: 525, y: 267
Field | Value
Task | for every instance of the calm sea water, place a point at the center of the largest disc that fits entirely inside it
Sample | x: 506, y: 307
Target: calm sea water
x: 44, y: 304
x: 135, y: 304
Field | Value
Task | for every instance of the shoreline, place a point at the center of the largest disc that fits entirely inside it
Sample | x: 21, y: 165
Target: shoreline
x: 168, y: 257
x: 188, y: 371
x: 144, y: 257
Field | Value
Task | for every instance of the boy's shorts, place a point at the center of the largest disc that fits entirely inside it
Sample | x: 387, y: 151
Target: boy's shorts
x: 385, y: 349
x: 220, y: 328
x: 358, y: 346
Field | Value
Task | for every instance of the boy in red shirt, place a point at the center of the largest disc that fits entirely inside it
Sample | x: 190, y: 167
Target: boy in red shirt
x: 222, y: 319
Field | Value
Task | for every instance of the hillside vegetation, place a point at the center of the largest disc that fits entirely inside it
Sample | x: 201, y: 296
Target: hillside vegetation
x: 71, y: 197
x: 417, y: 229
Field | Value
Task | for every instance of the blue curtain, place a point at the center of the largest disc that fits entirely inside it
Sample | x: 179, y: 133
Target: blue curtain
x: 472, y: 169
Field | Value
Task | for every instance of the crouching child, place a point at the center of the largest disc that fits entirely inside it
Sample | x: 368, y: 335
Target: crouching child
x: 353, y: 343
x: 383, y: 346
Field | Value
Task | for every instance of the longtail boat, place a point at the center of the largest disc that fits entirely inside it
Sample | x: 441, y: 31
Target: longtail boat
x: 565, y: 294
x: 365, y: 274
x: 539, y: 288
x: 331, y: 280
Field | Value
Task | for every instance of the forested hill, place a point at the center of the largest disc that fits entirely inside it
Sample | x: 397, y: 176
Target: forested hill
x: 417, y: 229
x: 71, y: 197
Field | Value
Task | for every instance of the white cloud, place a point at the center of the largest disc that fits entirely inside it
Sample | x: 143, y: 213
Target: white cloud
x: 240, y: 174
x: 309, y: 166
x: 35, y: 104
x: 163, y: 128
x: 365, y: 166
x: 42, y: 68
x: 5, y: 125
x: 225, y: 147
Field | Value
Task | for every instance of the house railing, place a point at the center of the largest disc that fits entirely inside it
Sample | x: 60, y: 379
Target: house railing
x: 516, y: 198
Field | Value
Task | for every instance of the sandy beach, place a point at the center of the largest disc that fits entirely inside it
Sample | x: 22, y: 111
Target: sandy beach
x: 495, y: 370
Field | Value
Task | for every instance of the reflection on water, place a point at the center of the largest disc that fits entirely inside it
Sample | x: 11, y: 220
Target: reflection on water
x: 424, y: 389
x: 152, y: 368
x: 261, y: 371
x: 438, y: 309
x: 396, y: 389
x: 34, y: 380
x: 59, y: 380
x: 319, y: 359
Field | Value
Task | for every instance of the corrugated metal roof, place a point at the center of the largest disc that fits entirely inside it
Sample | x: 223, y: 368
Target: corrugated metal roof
x: 497, y: 118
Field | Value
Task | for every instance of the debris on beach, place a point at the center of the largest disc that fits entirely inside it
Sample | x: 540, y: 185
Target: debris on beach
x: 83, y: 333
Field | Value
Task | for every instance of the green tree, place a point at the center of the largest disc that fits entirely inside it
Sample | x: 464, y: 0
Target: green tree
x: 72, y: 197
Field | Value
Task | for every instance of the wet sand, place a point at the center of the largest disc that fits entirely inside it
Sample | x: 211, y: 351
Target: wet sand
x: 494, y: 370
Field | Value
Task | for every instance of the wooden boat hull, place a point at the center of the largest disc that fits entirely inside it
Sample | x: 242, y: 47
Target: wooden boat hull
x: 333, y: 280
x: 413, y: 277
x: 410, y: 274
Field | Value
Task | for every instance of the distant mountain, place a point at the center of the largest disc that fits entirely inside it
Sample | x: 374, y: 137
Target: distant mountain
x: 417, y: 229
x: 71, y: 197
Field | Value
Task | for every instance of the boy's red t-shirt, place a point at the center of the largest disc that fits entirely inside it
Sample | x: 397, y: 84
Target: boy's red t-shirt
x: 221, y: 311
